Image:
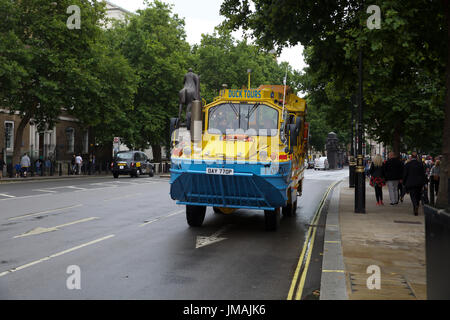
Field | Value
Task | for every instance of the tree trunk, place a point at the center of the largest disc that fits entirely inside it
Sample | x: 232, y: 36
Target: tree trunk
x: 18, y: 139
x: 156, y: 149
x: 396, y: 142
x: 442, y: 199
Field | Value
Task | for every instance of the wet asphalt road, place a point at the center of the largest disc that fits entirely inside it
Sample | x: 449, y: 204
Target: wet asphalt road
x: 131, y: 241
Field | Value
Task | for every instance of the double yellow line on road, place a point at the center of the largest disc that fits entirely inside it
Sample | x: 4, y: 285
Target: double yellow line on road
x: 305, y: 257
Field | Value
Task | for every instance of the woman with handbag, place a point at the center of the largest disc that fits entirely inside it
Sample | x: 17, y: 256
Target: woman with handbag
x: 377, y: 178
x: 434, y: 175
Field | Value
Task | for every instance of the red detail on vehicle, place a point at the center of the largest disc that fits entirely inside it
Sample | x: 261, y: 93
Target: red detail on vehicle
x: 237, y: 137
x: 283, y: 157
x: 177, y: 152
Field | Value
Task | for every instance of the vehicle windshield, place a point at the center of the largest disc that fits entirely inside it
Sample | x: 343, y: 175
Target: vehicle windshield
x: 124, y: 156
x: 254, y: 119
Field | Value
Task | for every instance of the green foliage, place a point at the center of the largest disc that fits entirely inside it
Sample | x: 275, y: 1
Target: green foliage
x: 221, y: 59
x: 47, y: 69
x: 404, y: 61
x: 154, y: 44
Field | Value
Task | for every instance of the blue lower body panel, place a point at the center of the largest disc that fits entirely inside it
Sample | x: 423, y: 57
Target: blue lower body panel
x: 247, y: 188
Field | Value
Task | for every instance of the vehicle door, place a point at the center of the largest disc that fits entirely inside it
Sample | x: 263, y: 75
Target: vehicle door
x: 137, y: 161
x: 145, y: 163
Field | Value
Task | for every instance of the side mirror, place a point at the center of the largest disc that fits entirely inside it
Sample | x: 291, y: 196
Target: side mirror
x: 292, y: 137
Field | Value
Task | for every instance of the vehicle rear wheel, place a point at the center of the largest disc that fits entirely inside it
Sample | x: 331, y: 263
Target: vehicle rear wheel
x: 151, y: 172
x: 272, y: 219
x: 290, y: 210
x: 116, y: 175
x: 195, y: 215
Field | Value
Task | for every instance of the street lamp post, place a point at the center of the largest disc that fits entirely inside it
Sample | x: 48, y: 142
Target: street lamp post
x: 352, y: 162
x: 360, y: 189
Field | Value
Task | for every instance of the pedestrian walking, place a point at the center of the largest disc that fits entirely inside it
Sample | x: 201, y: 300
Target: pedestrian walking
x: 18, y: 170
x: 434, y: 175
x: 73, y: 165
x: 2, y: 166
x: 393, y: 170
x: 25, y: 164
x: 79, y: 163
x: 401, y: 186
x: 414, y: 179
x: 377, y: 178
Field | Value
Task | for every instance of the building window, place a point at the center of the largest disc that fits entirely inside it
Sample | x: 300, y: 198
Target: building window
x: 86, y: 142
x: 70, y: 135
x: 9, y: 135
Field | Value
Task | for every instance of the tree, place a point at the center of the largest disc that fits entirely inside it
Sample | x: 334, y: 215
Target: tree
x: 403, y: 96
x: 221, y: 59
x: 154, y: 43
x: 47, y: 69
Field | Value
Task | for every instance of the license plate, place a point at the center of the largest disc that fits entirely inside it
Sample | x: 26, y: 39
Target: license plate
x: 220, y: 171
x: 121, y: 167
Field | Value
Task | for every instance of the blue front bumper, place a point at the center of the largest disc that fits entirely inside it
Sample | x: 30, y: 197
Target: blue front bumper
x: 253, y: 186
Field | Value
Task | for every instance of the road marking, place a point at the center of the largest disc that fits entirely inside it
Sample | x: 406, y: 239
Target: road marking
x: 44, y: 190
x: 332, y: 242
x: 333, y: 271
x: 54, y: 256
x: 307, y: 251
x: 214, y: 238
x: 26, y: 197
x: 7, y: 195
x: 45, y: 212
x: 76, y: 188
x: 40, y: 230
x: 123, y: 197
x: 160, y: 218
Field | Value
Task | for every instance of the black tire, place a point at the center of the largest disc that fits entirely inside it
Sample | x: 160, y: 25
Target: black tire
x: 290, y: 210
x: 217, y: 210
x: 272, y: 219
x: 151, y: 172
x: 116, y: 175
x: 195, y: 215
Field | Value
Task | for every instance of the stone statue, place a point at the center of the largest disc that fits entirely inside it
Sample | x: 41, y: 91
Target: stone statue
x: 190, y: 91
x: 332, y: 150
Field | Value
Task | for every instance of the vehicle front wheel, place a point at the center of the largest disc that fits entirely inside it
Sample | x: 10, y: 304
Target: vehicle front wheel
x: 195, y: 215
x: 272, y: 219
x: 290, y: 210
x: 151, y: 173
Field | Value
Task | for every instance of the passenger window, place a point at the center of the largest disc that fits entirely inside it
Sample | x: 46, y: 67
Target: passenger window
x: 137, y: 157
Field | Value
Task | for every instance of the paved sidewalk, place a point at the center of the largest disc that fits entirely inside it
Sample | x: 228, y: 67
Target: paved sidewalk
x: 389, y: 237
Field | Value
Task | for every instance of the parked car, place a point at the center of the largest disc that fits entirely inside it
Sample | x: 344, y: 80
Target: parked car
x: 321, y: 163
x: 133, y: 163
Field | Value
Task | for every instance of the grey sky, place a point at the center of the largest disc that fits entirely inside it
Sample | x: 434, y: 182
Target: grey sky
x: 202, y: 16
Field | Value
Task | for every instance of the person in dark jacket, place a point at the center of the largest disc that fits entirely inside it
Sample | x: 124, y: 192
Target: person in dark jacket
x: 2, y: 165
x: 377, y: 178
x: 414, y: 180
x: 393, y: 170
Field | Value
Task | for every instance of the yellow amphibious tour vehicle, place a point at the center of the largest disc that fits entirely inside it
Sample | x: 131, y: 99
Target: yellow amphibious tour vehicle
x: 245, y: 150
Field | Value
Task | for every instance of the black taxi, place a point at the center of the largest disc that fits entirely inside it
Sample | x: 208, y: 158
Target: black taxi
x: 133, y: 163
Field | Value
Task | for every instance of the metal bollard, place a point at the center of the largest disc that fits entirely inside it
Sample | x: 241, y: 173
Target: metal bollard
x: 437, y: 243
